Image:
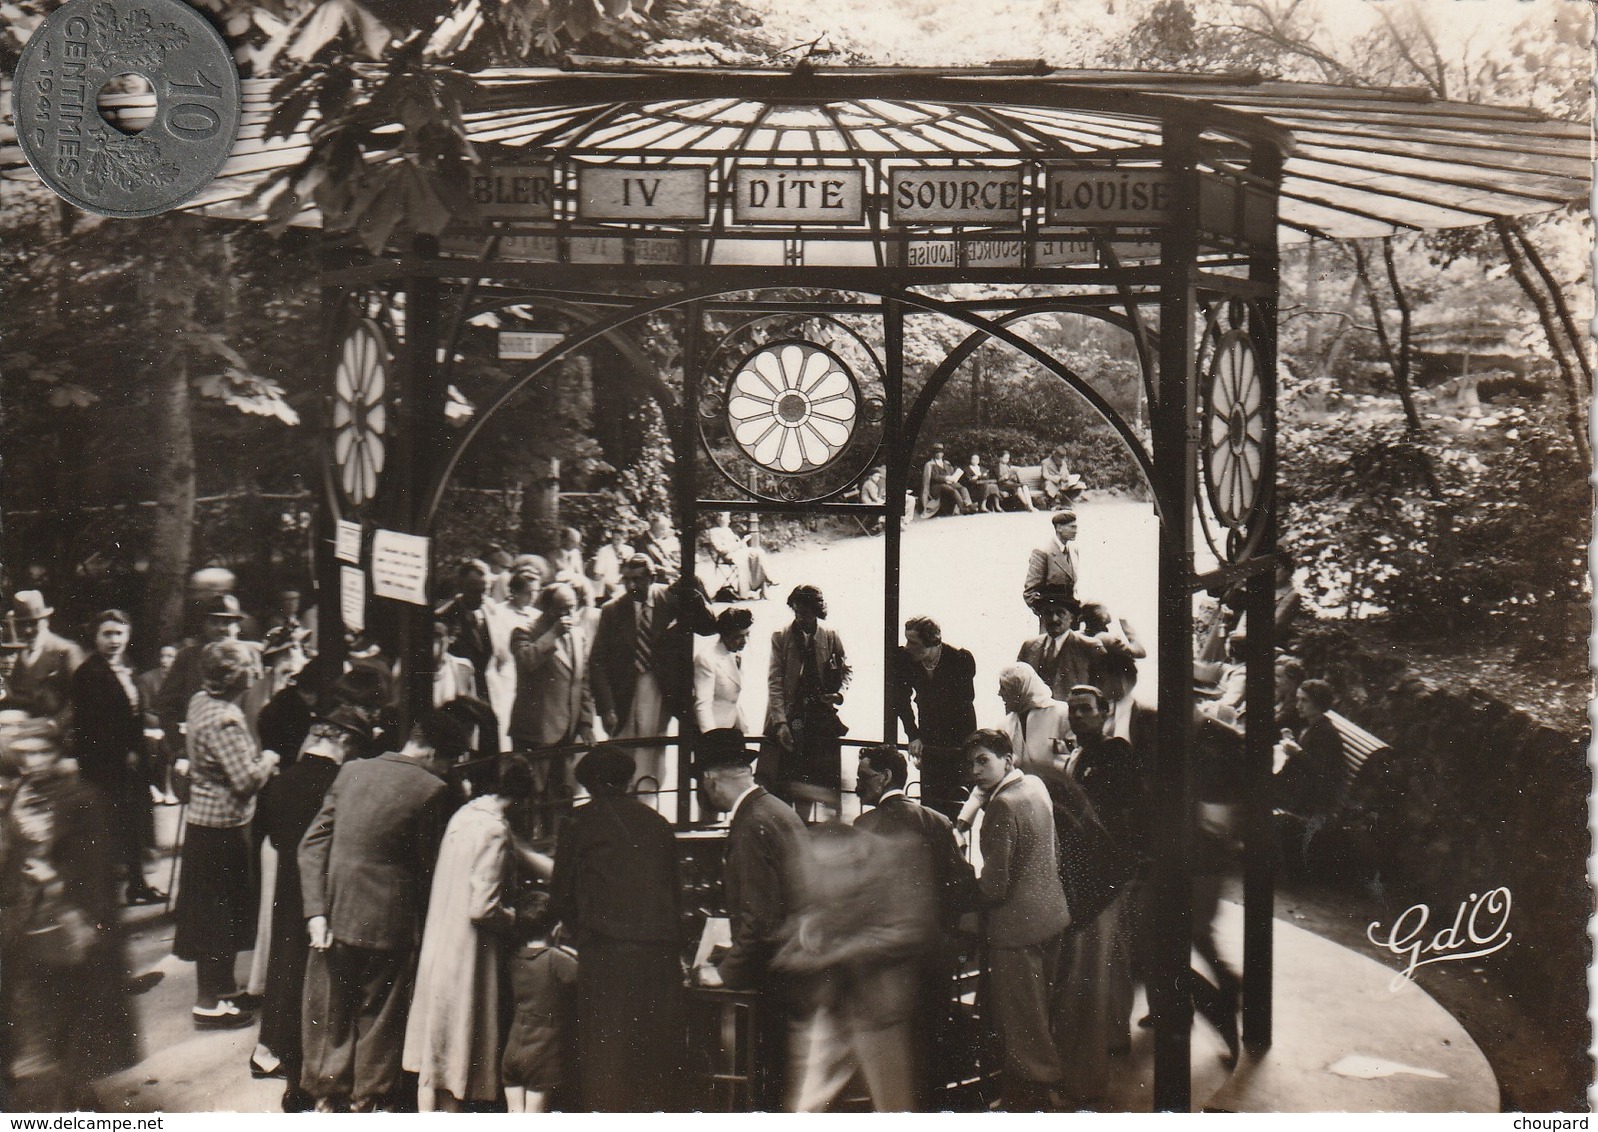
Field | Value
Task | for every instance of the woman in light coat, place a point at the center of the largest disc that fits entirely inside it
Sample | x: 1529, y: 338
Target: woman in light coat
x: 718, y: 673
x: 1038, y: 725
x: 453, y: 1037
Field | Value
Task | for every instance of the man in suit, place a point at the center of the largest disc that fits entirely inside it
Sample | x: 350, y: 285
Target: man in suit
x: 43, y: 675
x: 879, y: 782
x: 941, y: 680
x: 1063, y: 655
x: 365, y: 866
x: 1093, y: 1003
x: 467, y: 616
x: 616, y: 889
x: 554, y: 706
x: 764, y: 839
x: 1055, y: 562
x: 221, y: 620
x: 1026, y: 913
x: 804, y: 686
x: 642, y: 659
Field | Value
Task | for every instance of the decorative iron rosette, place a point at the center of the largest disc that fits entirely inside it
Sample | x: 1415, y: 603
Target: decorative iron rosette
x: 1232, y: 468
x: 792, y: 420
x: 360, y: 411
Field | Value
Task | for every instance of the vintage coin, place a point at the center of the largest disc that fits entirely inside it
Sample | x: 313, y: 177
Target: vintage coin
x: 84, y: 45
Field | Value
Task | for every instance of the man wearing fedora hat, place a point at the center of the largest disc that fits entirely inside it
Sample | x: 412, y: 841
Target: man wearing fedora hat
x: 941, y: 490
x: 43, y: 674
x: 222, y: 621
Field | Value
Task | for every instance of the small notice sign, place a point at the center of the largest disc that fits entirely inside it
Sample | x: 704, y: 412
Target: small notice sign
x: 631, y: 192
x: 525, y: 345
x: 1109, y: 196
x: 995, y: 253
x: 955, y: 196
x: 797, y: 194
x: 1057, y: 251
x: 347, y: 541
x: 515, y: 192
x: 352, y: 598
x: 399, y: 566
x: 932, y: 253
x: 530, y: 248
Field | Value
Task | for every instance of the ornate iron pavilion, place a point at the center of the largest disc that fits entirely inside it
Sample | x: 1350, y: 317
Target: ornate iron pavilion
x: 611, y: 194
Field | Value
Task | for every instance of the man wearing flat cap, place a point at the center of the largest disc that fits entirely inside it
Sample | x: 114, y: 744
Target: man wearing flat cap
x: 764, y: 840
x: 43, y: 674
x: 616, y: 889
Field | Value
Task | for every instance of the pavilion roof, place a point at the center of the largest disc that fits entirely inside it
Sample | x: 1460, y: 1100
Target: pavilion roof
x: 1358, y: 161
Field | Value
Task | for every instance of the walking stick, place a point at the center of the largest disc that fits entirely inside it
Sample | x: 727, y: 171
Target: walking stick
x: 177, y: 853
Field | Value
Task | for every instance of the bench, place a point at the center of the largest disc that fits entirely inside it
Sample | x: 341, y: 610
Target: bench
x: 1031, y: 479
x: 1345, y: 845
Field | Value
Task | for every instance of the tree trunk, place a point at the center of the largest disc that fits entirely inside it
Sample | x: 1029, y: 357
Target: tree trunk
x: 1545, y: 314
x: 172, y: 535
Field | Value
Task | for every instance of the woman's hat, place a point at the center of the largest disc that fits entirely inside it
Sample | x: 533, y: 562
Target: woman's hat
x: 221, y: 605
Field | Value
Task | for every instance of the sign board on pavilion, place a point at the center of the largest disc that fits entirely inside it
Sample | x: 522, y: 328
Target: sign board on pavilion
x: 798, y: 195
x: 347, y: 541
x: 352, y: 598
x: 1108, y: 195
x: 932, y: 253
x: 633, y: 192
x: 1065, y: 249
x: 530, y: 248
x: 955, y: 196
x: 525, y: 345
x: 1004, y: 252
x: 515, y: 192
x: 399, y: 566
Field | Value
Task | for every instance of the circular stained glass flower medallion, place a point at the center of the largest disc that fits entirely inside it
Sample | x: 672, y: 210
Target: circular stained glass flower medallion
x: 359, y: 415
x: 792, y: 407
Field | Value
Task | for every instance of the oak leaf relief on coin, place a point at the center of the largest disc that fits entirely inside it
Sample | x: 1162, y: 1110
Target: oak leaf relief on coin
x: 127, y: 162
x: 134, y: 40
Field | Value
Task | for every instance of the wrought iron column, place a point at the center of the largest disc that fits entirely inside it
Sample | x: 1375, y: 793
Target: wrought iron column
x: 893, y: 521
x: 1259, y: 873
x: 1174, y: 419
x: 422, y: 447
x: 685, y: 482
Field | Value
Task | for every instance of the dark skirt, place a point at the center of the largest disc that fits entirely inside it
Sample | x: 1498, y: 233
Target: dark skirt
x: 217, y: 896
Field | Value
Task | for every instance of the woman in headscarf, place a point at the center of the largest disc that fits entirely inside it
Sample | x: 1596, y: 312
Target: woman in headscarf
x: 454, y: 1035
x: 1039, y: 728
x: 1038, y: 723
x: 216, y: 908
x: 68, y: 1008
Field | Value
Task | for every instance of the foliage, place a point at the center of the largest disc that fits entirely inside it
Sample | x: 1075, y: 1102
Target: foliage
x: 1496, y: 545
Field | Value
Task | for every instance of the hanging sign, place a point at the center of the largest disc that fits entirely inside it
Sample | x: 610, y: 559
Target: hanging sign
x: 525, y: 345
x: 347, y: 541
x: 1105, y: 195
x: 955, y: 196
x: 530, y: 248
x: 994, y: 253
x: 631, y: 192
x: 597, y: 249
x: 352, y: 598
x: 932, y: 253
x: 661, y: 250
x: 399, y: 566
x: 515, y: 192
x: 1063, y: 250
x: 798, y: 195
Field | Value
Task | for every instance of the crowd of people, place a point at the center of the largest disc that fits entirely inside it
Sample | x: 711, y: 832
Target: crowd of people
x: 509, y: 930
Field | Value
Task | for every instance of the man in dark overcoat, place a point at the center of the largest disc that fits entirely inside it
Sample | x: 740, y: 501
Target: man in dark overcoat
x: 616, y: 890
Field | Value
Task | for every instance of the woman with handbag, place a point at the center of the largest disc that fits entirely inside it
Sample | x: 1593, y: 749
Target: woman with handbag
x: 70, y: 1017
